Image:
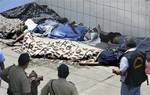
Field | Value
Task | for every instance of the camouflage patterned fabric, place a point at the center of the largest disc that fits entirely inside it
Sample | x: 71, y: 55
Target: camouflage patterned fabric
x: 10, y: 26
x: 58, y: 48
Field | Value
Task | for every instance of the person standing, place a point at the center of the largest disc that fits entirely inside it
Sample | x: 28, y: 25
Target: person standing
x: 16, y: 77
x: 132, y: 69
x: 60, y: 86
x: 2, y: 59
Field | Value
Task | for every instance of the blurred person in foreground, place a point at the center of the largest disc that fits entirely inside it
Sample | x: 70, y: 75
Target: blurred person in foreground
x: 15, y: 76
x: 2, y: 59
x: 60, y: 86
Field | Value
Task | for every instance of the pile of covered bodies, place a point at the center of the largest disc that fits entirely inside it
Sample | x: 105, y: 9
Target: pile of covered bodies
x: 10, y: 27
x: 58, y: 48
x: 46, y: 33
x: 51, y: 36
x: 12, y: 21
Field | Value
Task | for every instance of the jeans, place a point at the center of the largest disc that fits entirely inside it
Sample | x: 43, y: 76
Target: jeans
x: 127, y: 90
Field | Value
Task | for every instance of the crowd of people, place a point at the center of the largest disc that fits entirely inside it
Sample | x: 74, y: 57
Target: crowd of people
x: 131, y: 69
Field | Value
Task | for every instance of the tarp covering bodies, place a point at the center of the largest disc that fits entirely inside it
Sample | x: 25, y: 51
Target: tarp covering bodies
x: 58, y: 48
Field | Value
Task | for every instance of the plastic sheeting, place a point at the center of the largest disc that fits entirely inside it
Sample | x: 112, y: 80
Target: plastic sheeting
x: 67, y: 31
x: 56, y: 30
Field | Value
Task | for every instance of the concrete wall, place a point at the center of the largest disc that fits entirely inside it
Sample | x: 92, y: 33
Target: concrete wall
x: 129, y: 17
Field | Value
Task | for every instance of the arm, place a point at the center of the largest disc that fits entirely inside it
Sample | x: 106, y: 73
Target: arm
x: 2, y: 65
x: 45, y: 89
x: 2, y: 58
x: 26, y: 85
x: 17, y: 39
x: 75, y: 92
x: 5, y: 74
x: 73, y: 88
x: 123, y: 67
x: 117, y: 72
x: 20, y: 37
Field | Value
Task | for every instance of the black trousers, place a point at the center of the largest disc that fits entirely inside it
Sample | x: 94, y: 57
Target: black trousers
x: 2, y: 65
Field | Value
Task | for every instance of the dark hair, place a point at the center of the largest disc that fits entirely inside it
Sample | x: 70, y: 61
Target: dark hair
x: 63, y: 71
x: 130, y: 42
x: 113, y: 35
x: 117, y: 34
x: 24, y: 59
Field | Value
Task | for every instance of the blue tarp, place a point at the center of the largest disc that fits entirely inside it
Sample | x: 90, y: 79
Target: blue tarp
x: 9, y: 4
x: 66, y: 31
x: 56, y: 30
x: 1, y: 56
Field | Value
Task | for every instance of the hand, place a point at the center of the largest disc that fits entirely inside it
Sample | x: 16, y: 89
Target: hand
x: 113, y: 70
x: 117, y: 72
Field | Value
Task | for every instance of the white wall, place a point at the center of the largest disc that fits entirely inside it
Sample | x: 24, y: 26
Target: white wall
x: 130, y: 17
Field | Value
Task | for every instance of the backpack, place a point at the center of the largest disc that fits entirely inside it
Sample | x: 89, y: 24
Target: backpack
x: 136, y: 74
x: 109, y: 57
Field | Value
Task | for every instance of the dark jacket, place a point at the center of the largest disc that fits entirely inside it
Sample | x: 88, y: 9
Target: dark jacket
x: 136, y: 70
